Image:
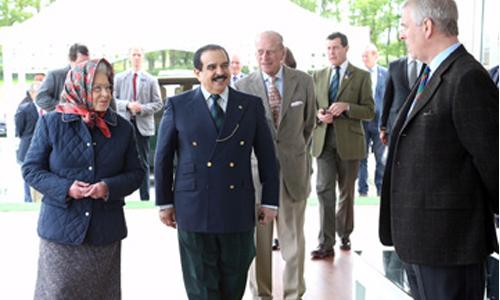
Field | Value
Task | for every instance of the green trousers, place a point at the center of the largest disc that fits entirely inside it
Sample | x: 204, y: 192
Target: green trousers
x: 215, y: 266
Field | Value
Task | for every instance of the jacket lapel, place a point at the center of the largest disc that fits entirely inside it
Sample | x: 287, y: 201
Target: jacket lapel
x: 432, y: 84
x: 234, y: 112
x: 201, y: 114
x: 257, y: 88
x: 289, y: 86
x: 346, y: 80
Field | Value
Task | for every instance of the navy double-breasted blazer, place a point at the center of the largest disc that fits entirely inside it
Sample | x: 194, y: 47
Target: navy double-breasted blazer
x: 213, y: 190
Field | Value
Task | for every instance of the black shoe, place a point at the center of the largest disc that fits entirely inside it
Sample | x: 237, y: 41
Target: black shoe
x: 346, y: 244
x: 276, y: 245
x: 322, y: 252
x: 363, y: 194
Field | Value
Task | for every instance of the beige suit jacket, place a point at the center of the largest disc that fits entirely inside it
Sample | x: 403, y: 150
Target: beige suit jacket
x: 355, y: 89
x: 297, y: 121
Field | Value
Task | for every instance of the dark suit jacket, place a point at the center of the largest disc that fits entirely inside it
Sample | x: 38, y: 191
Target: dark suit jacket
x: 379, y: 92
x: 49, y: 93
x: 25, y: 120
x: 440, y: 186
x: 396, y: 91
x: 213, y: 189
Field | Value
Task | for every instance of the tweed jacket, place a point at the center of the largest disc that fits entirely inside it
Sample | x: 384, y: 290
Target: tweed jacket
x: 355, y: 89
x: 440, y: 186
x: 293, y: 136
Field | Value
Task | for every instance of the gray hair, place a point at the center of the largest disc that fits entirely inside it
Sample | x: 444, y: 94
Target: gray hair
x: 273, y: 34
x: 443, y: 13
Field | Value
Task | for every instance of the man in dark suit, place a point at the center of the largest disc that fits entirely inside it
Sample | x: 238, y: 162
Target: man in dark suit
x: 50, y: 91
x: 212, y: 131
x: 402, y: 75
x: 25, y: 120
x: 378, y: 75
x: 440, y: 188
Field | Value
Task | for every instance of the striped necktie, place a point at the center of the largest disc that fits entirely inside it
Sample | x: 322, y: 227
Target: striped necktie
x: 334, y: 86
x: 423, y: 82
x: 216, y: 111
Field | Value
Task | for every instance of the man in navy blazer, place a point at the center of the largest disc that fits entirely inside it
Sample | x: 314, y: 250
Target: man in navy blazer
x: 212, y: 131
x: 378, y: 76
x: 25, y: 120
x: 440, y: 188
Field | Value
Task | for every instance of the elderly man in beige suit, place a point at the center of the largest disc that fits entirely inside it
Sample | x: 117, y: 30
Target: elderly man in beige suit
x: 288, y: 97
x: 344, y: 99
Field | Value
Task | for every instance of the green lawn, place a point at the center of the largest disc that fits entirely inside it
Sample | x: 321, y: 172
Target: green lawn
x: 18, y: 207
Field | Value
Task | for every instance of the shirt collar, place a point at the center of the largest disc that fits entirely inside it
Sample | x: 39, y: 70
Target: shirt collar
x: 278, y: 75
x: 224, y: 96
x: 436, y: 61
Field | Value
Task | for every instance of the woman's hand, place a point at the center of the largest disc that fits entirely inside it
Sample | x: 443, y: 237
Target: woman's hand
x: 97, y: 191
x: 78, y: 189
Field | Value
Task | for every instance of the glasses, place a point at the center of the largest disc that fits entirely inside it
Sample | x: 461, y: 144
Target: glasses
x: 100, y: 88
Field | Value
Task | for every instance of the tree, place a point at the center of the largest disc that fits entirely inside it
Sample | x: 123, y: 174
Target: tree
x: 17, y: 11
x: 381, y: 16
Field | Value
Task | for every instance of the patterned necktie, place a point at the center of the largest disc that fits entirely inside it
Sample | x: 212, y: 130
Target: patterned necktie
x: 134, y: 85
x: 274, y: 100
x: 216, y: 111
x: 334, y: 86
x: 423, y: 82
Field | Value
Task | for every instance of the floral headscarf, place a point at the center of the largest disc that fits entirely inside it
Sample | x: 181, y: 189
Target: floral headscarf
x: 77, y: 94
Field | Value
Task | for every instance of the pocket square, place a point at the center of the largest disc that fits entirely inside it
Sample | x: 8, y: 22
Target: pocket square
x: 296, y: 103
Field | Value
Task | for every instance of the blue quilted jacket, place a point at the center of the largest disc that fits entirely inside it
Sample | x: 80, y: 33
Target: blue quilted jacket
x: 65, y: 149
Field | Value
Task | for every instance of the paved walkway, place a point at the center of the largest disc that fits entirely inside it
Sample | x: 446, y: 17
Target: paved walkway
x: 150, y: 260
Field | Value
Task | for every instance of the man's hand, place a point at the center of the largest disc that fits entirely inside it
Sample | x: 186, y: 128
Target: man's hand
x: 384, y: 137
x: 266, y: 215
x: 338, y: 108
x: 78, y: 189
x: 134, y: 107
x: 167, y: 217
x: 98, y: 190
x: 324, y: 116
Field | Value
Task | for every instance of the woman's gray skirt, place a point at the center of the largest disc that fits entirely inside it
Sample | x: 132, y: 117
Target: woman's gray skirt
x: 78, y: 272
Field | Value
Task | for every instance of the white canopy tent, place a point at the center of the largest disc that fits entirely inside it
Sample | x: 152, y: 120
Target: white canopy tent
x: 110, y: 27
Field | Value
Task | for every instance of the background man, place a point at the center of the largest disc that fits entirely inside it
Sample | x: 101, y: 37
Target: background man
x: 288, y: 97
x: 235, y: 68
x: 440, y: 187
x: 378, y: 75
x: 344, y: 99
x: 402, y: 75
x: 213, y: 130
x: 50, y: 92
x: 137, y: 96
x: 25, y: 119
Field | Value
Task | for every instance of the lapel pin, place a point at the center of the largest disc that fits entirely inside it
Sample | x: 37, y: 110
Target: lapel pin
x: 240, y: 107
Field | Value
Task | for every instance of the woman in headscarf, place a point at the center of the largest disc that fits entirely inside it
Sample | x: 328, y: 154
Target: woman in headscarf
x: 83, y: 159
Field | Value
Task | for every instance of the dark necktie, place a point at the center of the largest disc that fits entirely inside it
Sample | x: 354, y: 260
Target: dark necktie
x: 216, y: 112
x: 423, y: 82
x: 134, y: 85
x: 334, y: 86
